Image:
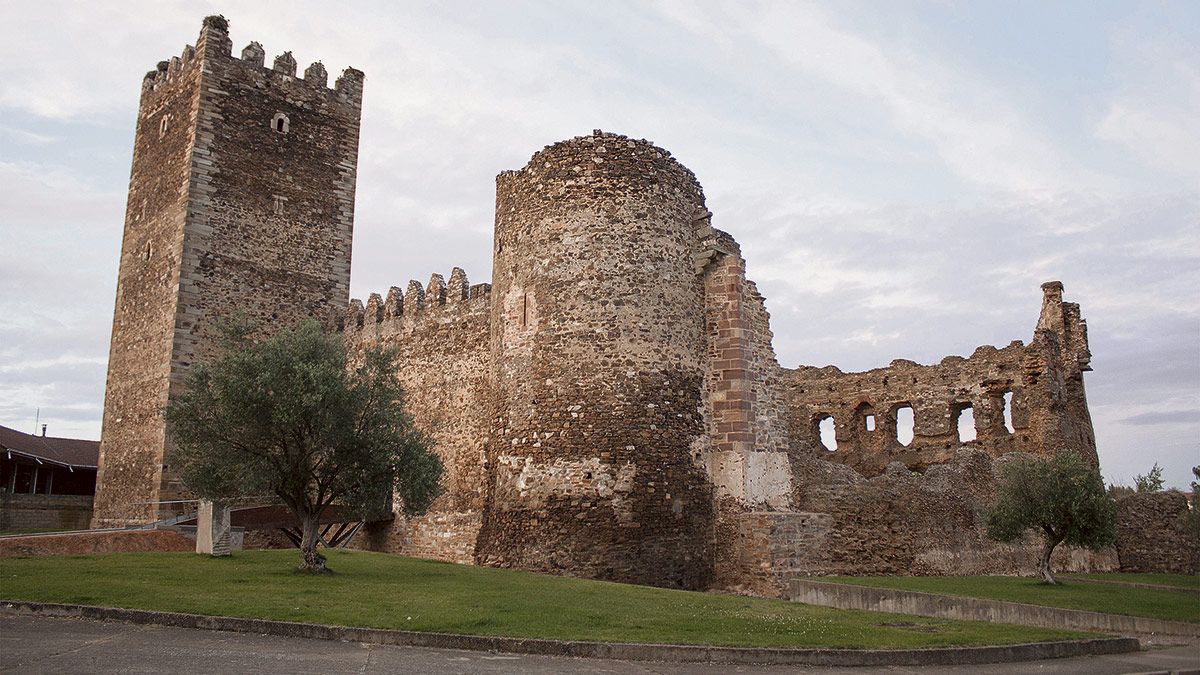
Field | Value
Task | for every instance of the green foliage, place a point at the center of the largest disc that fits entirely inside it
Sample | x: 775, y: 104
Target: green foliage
x: 1115, y: 491
x: 287, y: 417
x: 1062, y: 497
x: 389, y: 591
x: 1150, y: 482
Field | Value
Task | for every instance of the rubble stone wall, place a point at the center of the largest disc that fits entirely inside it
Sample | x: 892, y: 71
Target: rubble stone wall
x: 440, y: 334
x: 906, y: 523
x: 1153, y: 534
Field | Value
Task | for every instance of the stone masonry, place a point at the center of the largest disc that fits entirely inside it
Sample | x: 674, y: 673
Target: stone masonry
x: 610, y: 405
x: 241, y: 200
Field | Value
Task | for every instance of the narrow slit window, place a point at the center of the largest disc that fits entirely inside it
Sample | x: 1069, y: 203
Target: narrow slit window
x: 869, y: 423
x: 280, y: 123
x: 905, y: 425
x: 1008, y: 422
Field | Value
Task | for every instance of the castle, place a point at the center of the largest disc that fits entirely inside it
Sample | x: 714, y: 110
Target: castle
x: 609, y: 406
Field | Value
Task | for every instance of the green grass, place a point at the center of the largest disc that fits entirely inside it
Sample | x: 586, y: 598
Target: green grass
x: 385, y: 591
x: 1179, y: 580
x: 1147, y: 602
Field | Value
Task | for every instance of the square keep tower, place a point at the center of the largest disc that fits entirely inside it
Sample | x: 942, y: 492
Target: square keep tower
x: 241, y: 201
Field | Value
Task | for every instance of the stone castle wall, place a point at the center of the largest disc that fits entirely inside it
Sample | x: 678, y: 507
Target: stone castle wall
x: 1154, y: 534
x: 610, y: 406
x: 133, y: 435
x: 1040, y: 383
x: 440, y: 334
x: 241, y: 203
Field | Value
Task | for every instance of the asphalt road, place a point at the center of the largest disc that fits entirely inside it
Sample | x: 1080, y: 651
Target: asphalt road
x: 46, y: 645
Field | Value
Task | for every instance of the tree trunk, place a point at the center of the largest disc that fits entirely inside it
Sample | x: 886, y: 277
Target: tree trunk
x: 310, y: 559
x: 1044, y: 564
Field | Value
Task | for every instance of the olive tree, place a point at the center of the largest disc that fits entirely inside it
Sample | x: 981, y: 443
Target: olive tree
x: 286, y: 416
x: 1062, y: 497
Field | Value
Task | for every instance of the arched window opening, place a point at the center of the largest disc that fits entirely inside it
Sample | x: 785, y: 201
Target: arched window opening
x: 827, y: 432
x: 1008, y: 423
x: 280, y: 123
x: 966, y: 423
x: 905, y: 424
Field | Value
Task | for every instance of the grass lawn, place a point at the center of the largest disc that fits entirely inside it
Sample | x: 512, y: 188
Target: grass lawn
x: 1181, y: 580
x: 385, y: 591
x: 1148, y: 602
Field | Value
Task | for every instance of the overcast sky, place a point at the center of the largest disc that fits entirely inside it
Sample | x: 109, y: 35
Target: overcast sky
x: 901, y: 177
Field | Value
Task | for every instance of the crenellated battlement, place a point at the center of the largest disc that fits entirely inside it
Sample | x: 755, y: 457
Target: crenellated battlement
x: 214, y: 44
x: 405, y: 310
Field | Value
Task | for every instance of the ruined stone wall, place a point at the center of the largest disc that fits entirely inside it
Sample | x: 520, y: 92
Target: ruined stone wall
x: 1044, y: 381
x: 241, y: 201
x: 598, y: 331
x: 1153, y: 534
x: 440, y: 334
x: 903, y: 522
x: 745, y: 413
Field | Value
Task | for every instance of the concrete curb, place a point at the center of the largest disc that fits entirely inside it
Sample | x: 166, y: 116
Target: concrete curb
x: 593, y: 650
x: 848, y: 596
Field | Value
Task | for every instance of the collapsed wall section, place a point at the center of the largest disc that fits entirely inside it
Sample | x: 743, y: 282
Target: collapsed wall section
x: 440, y: 335
x: 1026, y: 398
x: 906, y: 523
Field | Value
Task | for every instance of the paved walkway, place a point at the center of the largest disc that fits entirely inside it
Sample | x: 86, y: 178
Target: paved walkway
x: 48, y: 645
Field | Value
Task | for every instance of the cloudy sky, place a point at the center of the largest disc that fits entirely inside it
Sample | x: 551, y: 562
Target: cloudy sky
x: 902, y: 176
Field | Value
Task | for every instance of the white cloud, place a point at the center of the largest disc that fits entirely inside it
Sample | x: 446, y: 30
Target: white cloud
x: 1153, y: 112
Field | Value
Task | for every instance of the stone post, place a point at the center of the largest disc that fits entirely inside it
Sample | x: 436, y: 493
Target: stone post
x: 212, y: 529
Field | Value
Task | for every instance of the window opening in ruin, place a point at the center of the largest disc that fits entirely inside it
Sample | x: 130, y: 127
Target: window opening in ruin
x: 280, y: 123
x: 827, y: 432
x: 147, y: 252
x: 905, y: 425
x: 162, y: 125
x: 1008, y: 423
x: 869, y: 422
x: 966, y: 424
x: 524, y: 309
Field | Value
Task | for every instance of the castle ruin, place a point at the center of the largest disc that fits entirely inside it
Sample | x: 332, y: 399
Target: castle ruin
x: 610, y: 405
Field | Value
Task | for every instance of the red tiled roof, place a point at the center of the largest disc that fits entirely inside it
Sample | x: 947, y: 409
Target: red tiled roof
x: 74, y: 452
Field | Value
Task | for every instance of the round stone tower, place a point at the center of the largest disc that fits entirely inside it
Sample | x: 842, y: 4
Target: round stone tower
x: 597, y: 335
